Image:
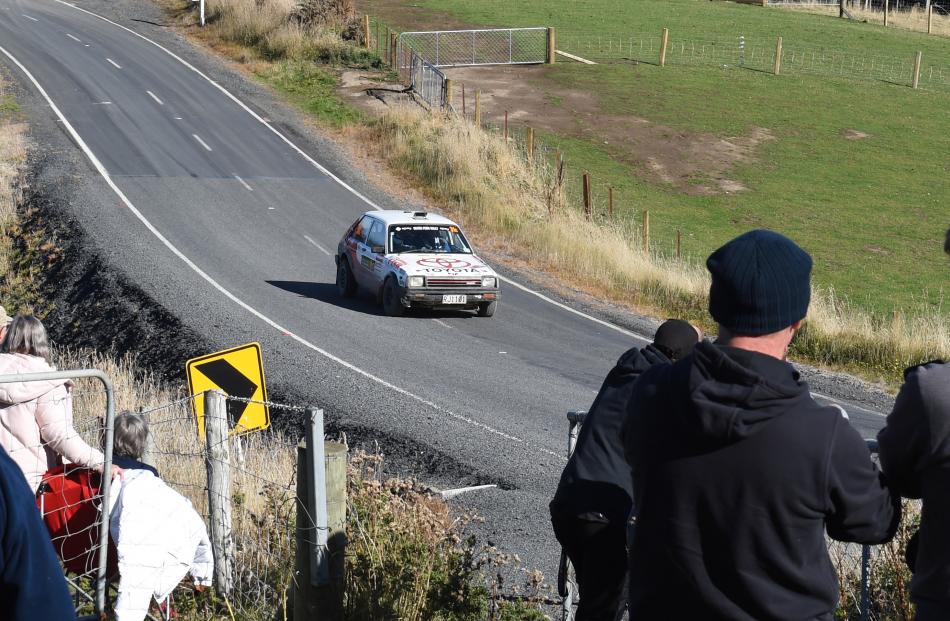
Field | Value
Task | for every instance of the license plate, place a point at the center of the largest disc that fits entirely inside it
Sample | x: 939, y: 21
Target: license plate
x: 454, y: 299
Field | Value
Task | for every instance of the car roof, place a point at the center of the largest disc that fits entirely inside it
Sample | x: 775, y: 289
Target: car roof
x: 396, y: 216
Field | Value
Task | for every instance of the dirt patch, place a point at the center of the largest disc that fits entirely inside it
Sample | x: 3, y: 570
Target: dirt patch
x: 691, y: 162
x: 366, y: 91
x: 854, y: 134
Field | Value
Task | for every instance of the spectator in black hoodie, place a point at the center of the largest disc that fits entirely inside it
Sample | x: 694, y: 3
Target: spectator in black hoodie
x: 738, y: 473
x: 593, y: 499
x: 915, y: 456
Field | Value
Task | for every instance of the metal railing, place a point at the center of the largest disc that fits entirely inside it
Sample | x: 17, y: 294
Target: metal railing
x: 427, y: 81
x: 466, y: 48
x: 567, y: 585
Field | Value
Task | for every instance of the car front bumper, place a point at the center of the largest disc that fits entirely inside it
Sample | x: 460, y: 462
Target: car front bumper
x: 431, y: 297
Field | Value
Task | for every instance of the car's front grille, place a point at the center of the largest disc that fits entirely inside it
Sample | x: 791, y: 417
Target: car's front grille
x: 452, y: 282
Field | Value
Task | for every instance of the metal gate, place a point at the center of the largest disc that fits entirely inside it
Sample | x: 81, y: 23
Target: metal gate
x: 461, y: 48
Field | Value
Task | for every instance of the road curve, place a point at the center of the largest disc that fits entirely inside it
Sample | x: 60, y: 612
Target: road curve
x: 210, y: 202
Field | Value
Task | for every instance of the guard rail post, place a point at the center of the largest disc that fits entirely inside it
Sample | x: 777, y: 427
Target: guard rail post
x: 321, y: 525
x: 218, y: 462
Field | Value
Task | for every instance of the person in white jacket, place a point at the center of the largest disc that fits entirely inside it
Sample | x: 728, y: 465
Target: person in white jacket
x: 159, y: 536
x: 36, y: 418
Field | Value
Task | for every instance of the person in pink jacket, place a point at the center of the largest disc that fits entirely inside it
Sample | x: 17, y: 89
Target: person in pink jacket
x: 36, y: 418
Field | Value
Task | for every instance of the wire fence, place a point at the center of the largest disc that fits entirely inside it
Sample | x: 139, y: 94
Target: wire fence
x: 755, y: 54
x: 461, y: 48
x: 261, y: 498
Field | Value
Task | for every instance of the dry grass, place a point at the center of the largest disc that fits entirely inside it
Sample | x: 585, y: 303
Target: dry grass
x: 13, y: 150
x: 491, y: 187
x: 914, y: 19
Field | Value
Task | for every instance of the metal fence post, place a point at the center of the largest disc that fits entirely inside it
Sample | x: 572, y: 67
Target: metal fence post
x: 865, y: 583
x: 218, y: 462
x: 321, y: 524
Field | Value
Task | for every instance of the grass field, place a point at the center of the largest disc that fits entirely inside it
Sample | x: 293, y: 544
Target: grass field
x: 872, y: 211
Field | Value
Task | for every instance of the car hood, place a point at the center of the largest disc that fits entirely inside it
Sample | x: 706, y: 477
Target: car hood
x: 440, y: 264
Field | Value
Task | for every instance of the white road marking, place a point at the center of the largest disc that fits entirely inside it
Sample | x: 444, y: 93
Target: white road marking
x: 201, y: 142
x: 102, y: 103
x: 441, y: 323
x: 177, y: 118
x: 243, y: 182
x: 318, y: 166
x: 319, y: 247
x: 28, y: 17
x: 114, y: 64
x: 155, y: 97
x: 247, y: 307
x: 76, y: 39
x: 87, y: 45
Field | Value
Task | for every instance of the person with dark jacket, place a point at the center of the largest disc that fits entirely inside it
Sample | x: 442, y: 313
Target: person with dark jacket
x: 594, y: 497
x: 738, y: 472
x: 915, y: 455
x: 32, y: 585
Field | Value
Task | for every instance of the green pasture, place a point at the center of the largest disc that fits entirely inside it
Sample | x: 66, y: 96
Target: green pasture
x: 872, y: 211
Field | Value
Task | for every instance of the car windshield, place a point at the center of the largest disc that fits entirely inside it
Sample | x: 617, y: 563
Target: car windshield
x: 428, y: 238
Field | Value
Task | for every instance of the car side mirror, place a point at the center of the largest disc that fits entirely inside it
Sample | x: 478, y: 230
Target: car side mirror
x: 377, y: 249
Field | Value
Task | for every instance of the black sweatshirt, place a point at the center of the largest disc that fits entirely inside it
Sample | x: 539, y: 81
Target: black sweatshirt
x: 738, y: 475
x: 596, y: 483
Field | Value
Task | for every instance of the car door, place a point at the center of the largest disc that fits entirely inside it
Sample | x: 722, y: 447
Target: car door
x: 370, y: 263
x: 355, y: 245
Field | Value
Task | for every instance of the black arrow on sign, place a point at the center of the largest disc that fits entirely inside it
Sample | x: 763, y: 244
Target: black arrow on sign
x: 231, y: 381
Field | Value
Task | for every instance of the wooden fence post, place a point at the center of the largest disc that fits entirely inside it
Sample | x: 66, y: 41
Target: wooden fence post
x: 610, y: 201
x: 393, y: 50
x: 777, y: 67
x: 588, y: 198
x: 377, y: 36
x: 917, y: 59
x: 366, y: 41
x: 449, y: 87
x: 506, y: 127
x: 386, y: 45
x: 552, y: 45
x: 887, y: 9
x: 218, y: 463
x: 679, y: 244
x: 478, y: 108
x: 464, y: 112
x: 841, y: 8
x: 529, y: 142
x: 664, y: 39
x: 930, y: 19
x: 314, y: 601
x: 646, y: 233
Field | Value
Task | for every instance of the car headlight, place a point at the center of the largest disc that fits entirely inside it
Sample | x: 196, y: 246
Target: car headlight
x: 488, y: 281
x: 417, y: 281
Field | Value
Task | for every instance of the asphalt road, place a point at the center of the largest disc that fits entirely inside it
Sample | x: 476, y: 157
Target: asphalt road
x: 231, y: 225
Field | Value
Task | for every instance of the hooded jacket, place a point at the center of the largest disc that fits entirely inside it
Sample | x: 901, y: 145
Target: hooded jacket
x: 36, y: 421
x: 596, y: 482
x: 739, y: 474
x: 915, y: 456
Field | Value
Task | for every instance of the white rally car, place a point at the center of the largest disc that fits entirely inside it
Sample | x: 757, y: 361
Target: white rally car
x: 413, y: 259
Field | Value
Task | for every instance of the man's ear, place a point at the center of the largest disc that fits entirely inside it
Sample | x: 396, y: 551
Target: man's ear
x: 797, y: 325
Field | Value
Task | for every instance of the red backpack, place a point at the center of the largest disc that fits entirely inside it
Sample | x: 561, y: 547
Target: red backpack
x: 69, y: 501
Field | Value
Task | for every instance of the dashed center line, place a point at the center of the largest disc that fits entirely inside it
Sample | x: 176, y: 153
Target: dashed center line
x: 442, y: 323
x: 115, y: 64
x: 319, y: 247
x: 76, y: 39
x: 201, y: 142
x: 157, y: 100
x: 28, y: 17
x: 243, y: 182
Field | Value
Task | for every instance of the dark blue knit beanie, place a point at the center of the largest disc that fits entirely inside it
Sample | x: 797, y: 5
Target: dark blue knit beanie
x: 760, y: 283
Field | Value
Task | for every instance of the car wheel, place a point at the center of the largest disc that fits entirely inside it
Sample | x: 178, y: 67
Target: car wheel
x: 345, y: 284
x: 487, y: 309
x: 392, y: 306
